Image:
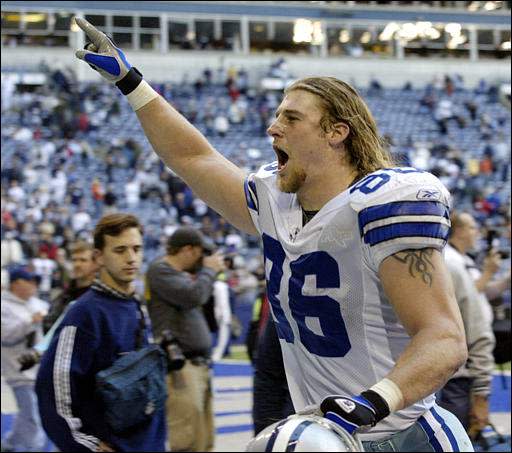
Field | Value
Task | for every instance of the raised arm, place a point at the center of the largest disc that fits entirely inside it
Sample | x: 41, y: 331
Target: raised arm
x: 212, y: 177
x: 180, y: 145
x: 418, y: 286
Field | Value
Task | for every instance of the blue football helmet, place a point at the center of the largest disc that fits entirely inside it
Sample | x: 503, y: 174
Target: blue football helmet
x: 304, y: 433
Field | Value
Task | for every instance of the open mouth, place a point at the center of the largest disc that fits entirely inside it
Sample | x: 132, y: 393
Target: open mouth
x: 282, y: 158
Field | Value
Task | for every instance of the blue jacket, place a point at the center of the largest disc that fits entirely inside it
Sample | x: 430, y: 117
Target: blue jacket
x: 99, y: 327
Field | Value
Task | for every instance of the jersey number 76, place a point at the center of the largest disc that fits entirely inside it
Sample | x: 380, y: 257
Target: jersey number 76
x: 334, y: 342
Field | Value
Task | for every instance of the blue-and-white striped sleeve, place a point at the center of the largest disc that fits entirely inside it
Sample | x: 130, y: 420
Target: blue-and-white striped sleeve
x: 402, y: 219
x: 62, y: 388
x: 439, y: 434
x: 251, y: 195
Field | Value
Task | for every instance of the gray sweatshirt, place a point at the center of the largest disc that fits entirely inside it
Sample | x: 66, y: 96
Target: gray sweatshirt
x: 479, y: 335
x: 175, y: 303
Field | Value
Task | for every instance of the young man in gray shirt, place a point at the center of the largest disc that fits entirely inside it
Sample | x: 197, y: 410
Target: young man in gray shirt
x: 177, y: 285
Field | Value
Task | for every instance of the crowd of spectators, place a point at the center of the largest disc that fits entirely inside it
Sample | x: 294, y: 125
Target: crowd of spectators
x: 72, y: 152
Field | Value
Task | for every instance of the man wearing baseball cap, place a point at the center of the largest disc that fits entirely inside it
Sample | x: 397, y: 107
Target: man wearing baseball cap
x: 21, y: 325
x: 177, y: 286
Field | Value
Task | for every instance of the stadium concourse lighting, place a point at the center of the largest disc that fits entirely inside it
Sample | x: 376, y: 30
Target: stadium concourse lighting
x: 74, y: 27
x: 307, y: 31
x: 453, y: 29
x: 344, y: 36
x: 302, y: 30
x: 389, y: 31
x: 409, y: 31
x: 366, y: 37
x: 456, y: 36
x: 491, y: 6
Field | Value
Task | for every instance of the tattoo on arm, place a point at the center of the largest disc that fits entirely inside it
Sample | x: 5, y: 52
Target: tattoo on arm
x: 419, y: 262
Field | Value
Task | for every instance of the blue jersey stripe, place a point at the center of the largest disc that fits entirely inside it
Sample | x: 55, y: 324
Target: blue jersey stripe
x: 248, y: 195
x: 399, y: 208
x: 406, y: 229
x: 430, y: 434
x: 446, y: 429
x: 294, y: 438
x: 252, y: 186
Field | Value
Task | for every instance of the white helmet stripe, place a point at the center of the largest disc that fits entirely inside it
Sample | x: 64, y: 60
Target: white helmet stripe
x: 285, y: 432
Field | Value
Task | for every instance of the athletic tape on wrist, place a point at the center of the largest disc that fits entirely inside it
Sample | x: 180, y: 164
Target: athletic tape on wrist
x: 143, y: 94
x: 390, y: 392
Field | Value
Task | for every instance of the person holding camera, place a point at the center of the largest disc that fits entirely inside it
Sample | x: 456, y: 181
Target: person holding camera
x: 466, y: 394
x: 177, y: 286
x: 22, y: 314
x: 84, y: 269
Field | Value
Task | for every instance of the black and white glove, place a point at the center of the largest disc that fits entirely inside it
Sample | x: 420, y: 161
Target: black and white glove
x: 356, y: 413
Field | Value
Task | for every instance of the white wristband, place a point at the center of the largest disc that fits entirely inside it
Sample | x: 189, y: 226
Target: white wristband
x: 390, y: 392
x: 143, y: 94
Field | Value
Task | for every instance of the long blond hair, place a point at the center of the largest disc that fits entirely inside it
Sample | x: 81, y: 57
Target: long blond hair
x: 366, y: 150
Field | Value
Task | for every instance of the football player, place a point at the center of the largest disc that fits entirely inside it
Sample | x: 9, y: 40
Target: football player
x: 362, y: 300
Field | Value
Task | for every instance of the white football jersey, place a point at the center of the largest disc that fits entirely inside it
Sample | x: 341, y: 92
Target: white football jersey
x: 338, y: 332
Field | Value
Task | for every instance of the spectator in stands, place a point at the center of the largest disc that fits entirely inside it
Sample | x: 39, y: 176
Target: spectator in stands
x: 466, y: 394
x: 175, y: 301
x: 12, y: 252
x: 221, y: 124
x: 44, y: 268
x: 375, y: 88
x: 84, y: 269
x: 98, y: 196
x: 96, y: 330
x: 21, y: 328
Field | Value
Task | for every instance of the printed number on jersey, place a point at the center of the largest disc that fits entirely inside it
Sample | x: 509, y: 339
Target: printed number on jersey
x: 334, y: 341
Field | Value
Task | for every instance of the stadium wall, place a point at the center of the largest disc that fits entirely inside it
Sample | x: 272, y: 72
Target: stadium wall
x: 172, y: 67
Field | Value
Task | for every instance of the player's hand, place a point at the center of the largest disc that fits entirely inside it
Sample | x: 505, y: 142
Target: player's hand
x: 353, y: 414
x: 102, y: 54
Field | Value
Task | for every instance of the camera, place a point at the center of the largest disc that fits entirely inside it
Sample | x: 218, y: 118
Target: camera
x: 29, y: 359
x: 175, y: 356
x: 504, y: 253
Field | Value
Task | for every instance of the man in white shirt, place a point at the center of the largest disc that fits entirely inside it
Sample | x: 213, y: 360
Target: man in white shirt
x: 22, y: 315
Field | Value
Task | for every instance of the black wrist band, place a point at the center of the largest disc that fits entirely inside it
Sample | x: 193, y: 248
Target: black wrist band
x: 379, y: 403
x: 130, y: 81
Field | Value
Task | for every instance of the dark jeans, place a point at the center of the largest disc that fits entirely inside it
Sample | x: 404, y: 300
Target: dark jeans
x: 455, y: 397
x: 271, y: 397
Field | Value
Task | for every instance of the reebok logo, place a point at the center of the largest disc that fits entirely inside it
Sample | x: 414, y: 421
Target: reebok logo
x: 346, y: 404
x: 428, y: 193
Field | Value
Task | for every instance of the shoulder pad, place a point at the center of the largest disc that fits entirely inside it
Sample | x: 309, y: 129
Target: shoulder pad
x: 397, y: 184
